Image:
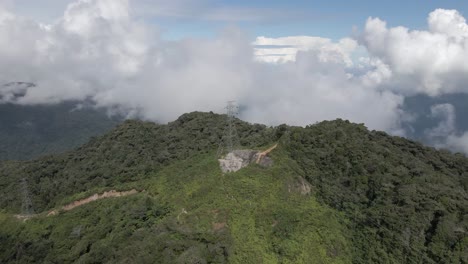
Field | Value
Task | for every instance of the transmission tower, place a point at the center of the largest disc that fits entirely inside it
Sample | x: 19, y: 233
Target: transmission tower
x: 26, y: 204
x: 230, y: 139
x: 76, y: 232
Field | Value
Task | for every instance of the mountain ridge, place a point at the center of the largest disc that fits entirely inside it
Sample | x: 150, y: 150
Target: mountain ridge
x: 377, y: 198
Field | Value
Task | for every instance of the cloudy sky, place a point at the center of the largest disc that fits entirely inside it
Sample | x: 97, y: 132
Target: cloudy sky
x: 399, y: 66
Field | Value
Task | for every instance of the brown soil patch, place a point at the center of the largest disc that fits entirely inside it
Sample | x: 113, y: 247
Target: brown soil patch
x: 218, y: 226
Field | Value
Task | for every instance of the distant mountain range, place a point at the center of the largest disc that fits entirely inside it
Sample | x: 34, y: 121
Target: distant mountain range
x: 30, y: 131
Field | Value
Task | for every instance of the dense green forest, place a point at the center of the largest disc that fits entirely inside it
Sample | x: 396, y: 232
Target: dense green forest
x: 30, y: 131
x: 373, y: 198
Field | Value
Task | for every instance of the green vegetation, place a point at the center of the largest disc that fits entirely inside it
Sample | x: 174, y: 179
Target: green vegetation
x: 373, y: 198
x: 189, y: 213
x: 267, y: 222
x: 407, y: 203
x: 127, y: 154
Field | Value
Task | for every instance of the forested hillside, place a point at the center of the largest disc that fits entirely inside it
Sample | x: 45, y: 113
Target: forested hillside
x: 127, y: 154
x: 407, y: 203
x: 370, y: 198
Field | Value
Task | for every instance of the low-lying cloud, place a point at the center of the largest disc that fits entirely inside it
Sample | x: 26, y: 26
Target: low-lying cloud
x: 98, y: 51
x: 285, y: 49
x: 445, y: 134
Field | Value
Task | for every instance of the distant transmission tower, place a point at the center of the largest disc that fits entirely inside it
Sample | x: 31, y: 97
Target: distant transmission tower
x: 26, y: 205
x: 230, y: 139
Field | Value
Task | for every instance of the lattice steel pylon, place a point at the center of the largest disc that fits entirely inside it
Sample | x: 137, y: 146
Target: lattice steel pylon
x: 26, y: 204
x: 230, y: 139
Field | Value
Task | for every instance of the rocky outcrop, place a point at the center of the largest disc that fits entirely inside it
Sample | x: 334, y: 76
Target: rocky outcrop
x: 300, y: 185
x: 239, y: 159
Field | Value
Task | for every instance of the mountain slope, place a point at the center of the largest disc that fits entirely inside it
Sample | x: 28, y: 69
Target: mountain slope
x: 373, y: 198
x: 191, y: 213
x: 126, y: 154
x: 408, y: 203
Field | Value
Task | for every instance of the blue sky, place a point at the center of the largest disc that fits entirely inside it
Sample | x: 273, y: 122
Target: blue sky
x: 204, y: 18
x: 333, y: 19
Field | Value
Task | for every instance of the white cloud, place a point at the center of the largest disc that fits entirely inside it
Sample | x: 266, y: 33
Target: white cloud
x: 5, y: 15
x: 44, y: 11
x: 99, y: 51
x: 445, y: 134
x: 375, y: 72
x: 82, y: 18
x: 458, y: 143
x: 284, y: 49
x: 74, y: 58
x: 446, y: 126
x: 313, y: 89
x: 448, y: 22
x: 431, y: 62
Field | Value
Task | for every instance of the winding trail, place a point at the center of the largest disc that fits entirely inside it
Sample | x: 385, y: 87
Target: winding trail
x: 77, y: 203
x: 92, y: 198
x: 263, y: 154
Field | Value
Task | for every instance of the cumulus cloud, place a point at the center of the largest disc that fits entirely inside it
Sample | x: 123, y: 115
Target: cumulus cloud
x: 311, y: 89
x: 429, y: 61
x: 92, y: 44
x: 99, y: 52
x: 448, y: 22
